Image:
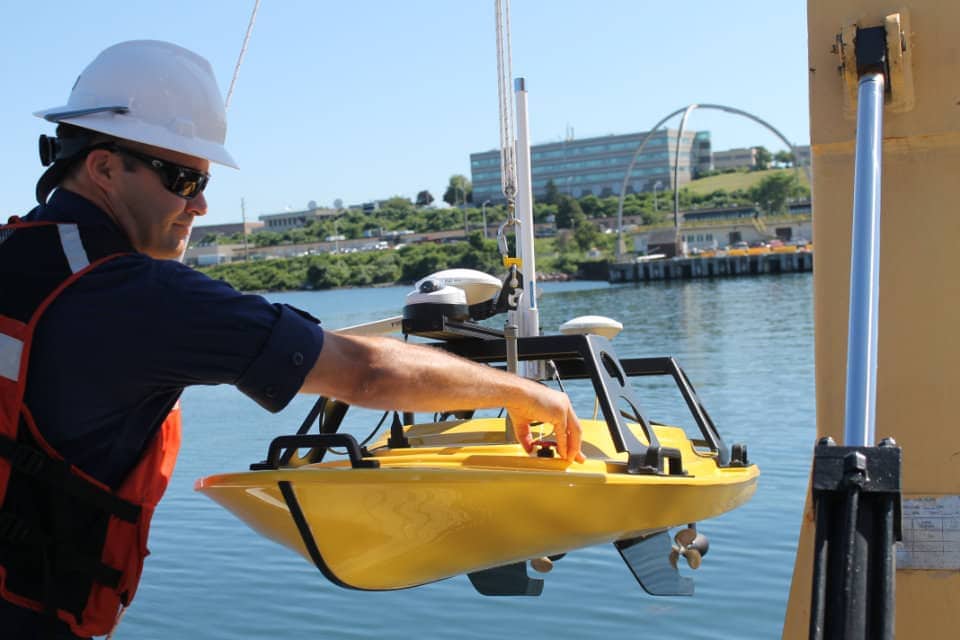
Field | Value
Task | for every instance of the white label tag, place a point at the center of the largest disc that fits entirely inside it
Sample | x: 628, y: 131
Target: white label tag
x: 931, y: 534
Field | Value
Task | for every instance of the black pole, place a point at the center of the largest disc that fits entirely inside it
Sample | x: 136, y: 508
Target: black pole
x: 856, y: 492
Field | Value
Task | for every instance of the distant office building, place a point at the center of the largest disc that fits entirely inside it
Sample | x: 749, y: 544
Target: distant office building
x: 598, y: 165
x: 746, y: 158
x: 735, y: 159
x: 367, y: 207
x: 294, y: 219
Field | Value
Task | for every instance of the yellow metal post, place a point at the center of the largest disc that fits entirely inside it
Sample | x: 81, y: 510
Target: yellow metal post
x: 919, y: 288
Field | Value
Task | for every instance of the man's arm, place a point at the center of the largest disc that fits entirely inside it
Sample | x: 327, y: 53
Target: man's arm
x: 384, y: 373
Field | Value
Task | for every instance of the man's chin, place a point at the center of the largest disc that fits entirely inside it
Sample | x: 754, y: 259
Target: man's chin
x: 172, y: 252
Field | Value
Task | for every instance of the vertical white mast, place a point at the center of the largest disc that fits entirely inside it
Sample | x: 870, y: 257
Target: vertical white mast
x: 527, y: 312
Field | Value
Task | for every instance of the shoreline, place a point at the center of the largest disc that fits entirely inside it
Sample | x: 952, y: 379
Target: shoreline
x: 541, y: 277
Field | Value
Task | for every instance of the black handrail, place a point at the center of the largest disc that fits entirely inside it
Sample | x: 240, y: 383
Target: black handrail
x: 317, y: 441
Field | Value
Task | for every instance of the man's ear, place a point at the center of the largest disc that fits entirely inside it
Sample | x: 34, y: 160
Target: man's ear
x: 102, y: 167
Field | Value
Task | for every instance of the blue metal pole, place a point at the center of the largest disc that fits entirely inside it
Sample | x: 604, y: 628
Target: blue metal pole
x: 861, y: 393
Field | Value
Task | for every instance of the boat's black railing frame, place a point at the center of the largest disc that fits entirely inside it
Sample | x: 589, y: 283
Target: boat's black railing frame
x: 593, y: 357
x: 574, y: 357
x: 286, y: 445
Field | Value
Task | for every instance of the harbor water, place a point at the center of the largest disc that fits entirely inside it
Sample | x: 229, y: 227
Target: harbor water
x: 745, y: 343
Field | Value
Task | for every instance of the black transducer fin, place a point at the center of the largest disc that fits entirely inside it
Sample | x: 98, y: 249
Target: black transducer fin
x: 506, y: 580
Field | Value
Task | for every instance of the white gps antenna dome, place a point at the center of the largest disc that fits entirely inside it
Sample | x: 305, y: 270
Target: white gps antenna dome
x: 598, y: 325
x: 476, y: 285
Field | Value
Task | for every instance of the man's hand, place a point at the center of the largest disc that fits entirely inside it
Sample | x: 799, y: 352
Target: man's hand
x: 383, y: 373
x: 547, y: 405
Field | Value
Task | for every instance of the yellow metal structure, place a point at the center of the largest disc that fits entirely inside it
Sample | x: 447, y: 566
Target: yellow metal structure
x: 919, y: 283
x: 461, y: 499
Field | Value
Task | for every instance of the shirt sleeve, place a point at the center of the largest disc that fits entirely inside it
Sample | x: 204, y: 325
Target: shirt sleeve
x: 278, y: 372
x: 193, y: 330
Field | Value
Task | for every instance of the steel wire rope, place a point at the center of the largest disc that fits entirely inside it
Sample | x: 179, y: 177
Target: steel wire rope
x: 243, y: 51
x: 508, y: 161
x: 508, y: 158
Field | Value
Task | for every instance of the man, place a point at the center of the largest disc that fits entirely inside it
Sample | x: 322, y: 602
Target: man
x: 101, y: 329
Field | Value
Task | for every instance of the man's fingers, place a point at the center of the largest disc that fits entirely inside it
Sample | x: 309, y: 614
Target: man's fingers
x: 566, y: 427
x: 574, y: 437
x: 521, y: 429
x: 560, y: 430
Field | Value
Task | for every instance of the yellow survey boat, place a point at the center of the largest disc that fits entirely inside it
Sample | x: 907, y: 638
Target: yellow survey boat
x: 440, y: 498
x: 460, y: 499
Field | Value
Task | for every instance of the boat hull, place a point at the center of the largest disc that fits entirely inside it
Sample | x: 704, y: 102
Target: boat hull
x: 461, y: 499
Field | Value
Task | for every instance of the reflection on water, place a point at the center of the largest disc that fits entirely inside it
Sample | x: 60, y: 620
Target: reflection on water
x: 747, y: 346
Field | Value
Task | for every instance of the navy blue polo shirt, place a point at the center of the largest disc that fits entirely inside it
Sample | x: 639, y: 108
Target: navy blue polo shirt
x: 113, y: 352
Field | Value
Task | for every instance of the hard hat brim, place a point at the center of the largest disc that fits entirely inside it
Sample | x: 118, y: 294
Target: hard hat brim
x: 122, y: 126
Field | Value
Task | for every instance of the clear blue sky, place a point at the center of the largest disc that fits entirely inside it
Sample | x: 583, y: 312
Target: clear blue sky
x: 368, y: 99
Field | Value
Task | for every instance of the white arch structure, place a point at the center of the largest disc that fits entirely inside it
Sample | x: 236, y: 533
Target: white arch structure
x: 676, y: 162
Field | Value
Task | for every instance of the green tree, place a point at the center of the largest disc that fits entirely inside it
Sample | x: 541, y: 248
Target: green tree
x: 399, y: 202
x: 569, y: 213
x: 542, y: 212
x: 386, y: 270
x: 552, y: 193
x: 764, y: 158
x: 587, y: 235
x: 784, y: 158
x: 608, y: 207
x: 266, y: 239
x: 476, y: 240
x: 773, y: 191
x: 632, y: 208
x: 422, y: 260
x: 424, y: 198
x: 459, y: 191
x: 394, y: 209
x: 327, y: 274
x: 590, y: 205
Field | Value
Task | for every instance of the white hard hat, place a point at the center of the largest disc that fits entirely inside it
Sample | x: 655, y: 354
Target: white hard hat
x: 151, y: 92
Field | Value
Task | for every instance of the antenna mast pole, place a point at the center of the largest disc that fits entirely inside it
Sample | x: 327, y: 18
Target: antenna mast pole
x: 527, y: 311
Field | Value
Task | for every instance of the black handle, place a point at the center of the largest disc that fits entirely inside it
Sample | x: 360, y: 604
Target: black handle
x: 316, y: 441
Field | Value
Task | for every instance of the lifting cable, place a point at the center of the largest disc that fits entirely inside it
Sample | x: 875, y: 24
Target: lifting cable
x: 508, y: 160
x: 508, y: 157
x: 243, y: 51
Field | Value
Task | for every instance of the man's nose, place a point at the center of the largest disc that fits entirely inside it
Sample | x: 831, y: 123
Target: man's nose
x: 198, y: 206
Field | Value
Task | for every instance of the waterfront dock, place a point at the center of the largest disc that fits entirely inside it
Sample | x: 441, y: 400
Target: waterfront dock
x: 711, y: 267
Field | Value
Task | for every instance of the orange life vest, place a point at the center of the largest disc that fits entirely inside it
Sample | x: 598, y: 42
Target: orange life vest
x: 69, y: 545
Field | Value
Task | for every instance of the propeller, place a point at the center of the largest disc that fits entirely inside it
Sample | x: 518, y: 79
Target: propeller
x: 691, y: 545
x: 544, y: 564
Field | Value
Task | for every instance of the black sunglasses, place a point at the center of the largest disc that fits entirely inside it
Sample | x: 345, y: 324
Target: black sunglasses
x: 183, y: 181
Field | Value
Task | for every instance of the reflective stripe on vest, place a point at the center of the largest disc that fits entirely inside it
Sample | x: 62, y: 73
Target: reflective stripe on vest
x: 11, y: 350
x: 73, y: 249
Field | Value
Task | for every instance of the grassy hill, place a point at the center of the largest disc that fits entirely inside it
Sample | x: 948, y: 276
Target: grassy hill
x: 739, y: 180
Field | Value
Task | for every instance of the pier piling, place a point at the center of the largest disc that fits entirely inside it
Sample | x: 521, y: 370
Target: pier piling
x: 716, y: 266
